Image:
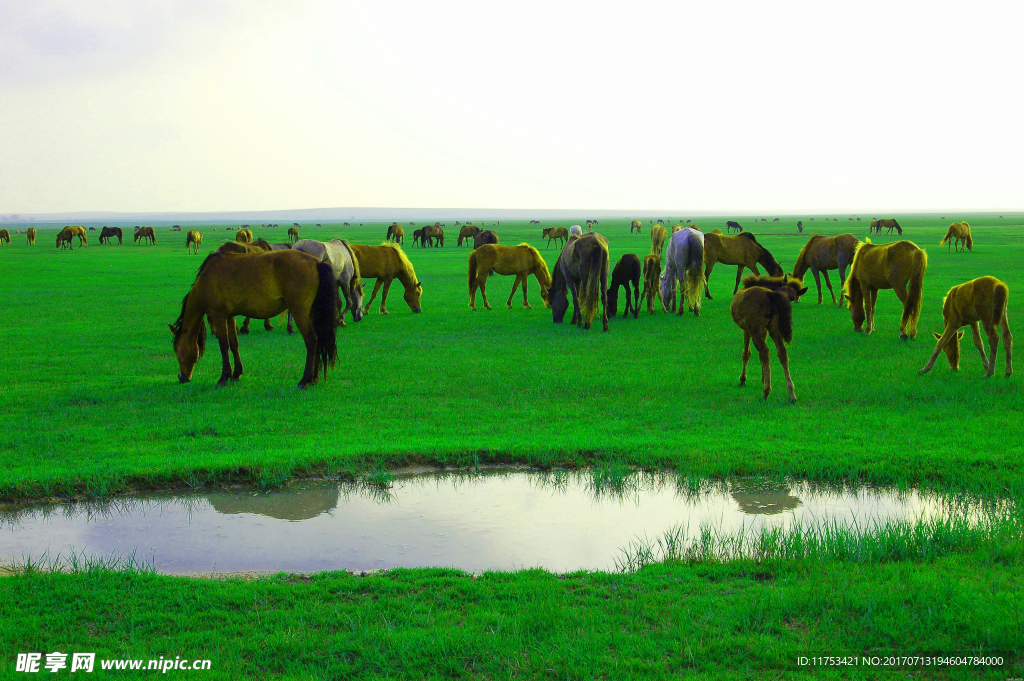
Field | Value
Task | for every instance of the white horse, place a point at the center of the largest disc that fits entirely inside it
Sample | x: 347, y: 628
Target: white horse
x: 575, y: 230
x: 684, y: 262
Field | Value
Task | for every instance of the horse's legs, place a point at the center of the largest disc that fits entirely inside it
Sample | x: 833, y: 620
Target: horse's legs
x: 526, y: 301
x: 473, y: 285
x: 245, y: 327
x: 604, y: 302
x: 482, y: 282
x: 384, y: 296
x: 842, y: 284
x: 739, y: 273
x: 766, y: 370
x: 312, y: 368
x: 346, y: 296
x: 515, y: 285
x: 232, y: 330
x: 993, y: 341
x: 746, y: 357
x: 1007, y: 345
x: 828, y: 282
x: 901, y: 293
x: 707, y: 276
x: 219, y: 327
x: 869, y: 308
x: 267, y: 326
x: 780, y: 346
x: 366, y: 305
x: 817, y: 280
x: 577, y: 318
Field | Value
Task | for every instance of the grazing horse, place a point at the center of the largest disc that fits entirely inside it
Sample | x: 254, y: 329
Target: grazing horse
x: 635, y: 226
x: 485, y: 236
x: 800, y: 226
x: 521, y: 261
x: 81, y: 233
x: 627, y: 271
x: 652, y: 276
x: 824, y: 253
x: 64, y: 238
x: 658, y: 236
x: 261, y: 245
x: 5, y: 237
x: 338, y: 254
x: 684, y: 262
x: 385, y: 263
x: 582, y: 270
x: 431, y: 232
x: 900, y: 266
x: 261, y: 285
x: 293, y: 234
x: 31, y: 234
x: 555, y: 234
x: 733, y: 225
x: 144, y: 233
x: 467, y: 233
x: 243, y: 236
x: 396, y: 234
x: 108, y: 233
x: 742, y: 251
x: 417, y: 237
x: 193, y: 240
x: 958, y: 235
x: 575, y: 230
x: 873, y: 227
x: 890, y: 224
x: 979, y: 300
x: 761, y: 309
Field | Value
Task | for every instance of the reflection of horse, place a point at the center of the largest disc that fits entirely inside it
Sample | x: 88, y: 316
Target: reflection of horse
x: 761, y: 309
x: 467, y: 233
x: 764, y: 498
x: 979, y: 300
x: 556, y: 234
x: 339, y: 256
x: 385, y: 263
x: 824, y: 253
x: 193, y: 240
x: 289, y: 503
x: 742, y: 251
x: 684, y: 262
x: 635, y: 226
x: 259, y: 285
x: 31, y: 233
x: 900, y: 266
x: 108, y: 233
x: 626, y: 272
x: 958, y: 232
x: 582, y: 270
x: 652, y: 276
x: 521, y: 261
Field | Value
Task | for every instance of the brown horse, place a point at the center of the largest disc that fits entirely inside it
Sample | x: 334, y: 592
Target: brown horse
x: 293, y: 235
x: 64, y: 240
x: 890, y: 224
x: 824, y: 253
x: 556, y: 234
x: 467, y: 233
x: 80, y: 232
x: 635, y: 226
x: 431, y: 232
x: 262, y: 286
x: 732, y: 225
x: 627, y: 271
x: 521, y: 261
x: 979, y: 300
x: 485, y: 236
x: 581, y: 270
x: 31, y: 234
x: 658, y: 236
x: 742, y: 251
x: 243, y: 236
x: 144, y: 233
x: 900, y: 266
x: 958, y: 235
x: 193, y: 240
x: 108, y: 233
x: 761, y: 309
x: 5, y: 237
x: 396, y: 233
x: 652, y: 281
x: 261, y: 245
x: 385, y: 263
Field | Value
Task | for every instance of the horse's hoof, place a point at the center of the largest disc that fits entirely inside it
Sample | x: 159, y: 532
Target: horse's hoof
x: 904, y: 336
x: 221, y: 383
x: 526, y: 305
x: 244, y: 331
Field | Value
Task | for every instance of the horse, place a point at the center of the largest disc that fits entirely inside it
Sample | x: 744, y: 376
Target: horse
x: 873, y: 227
x: 979, y: 300
x: 80, y: 232
x: 338, y: 254
x: 635, y: 226
x: 244, y: 236
x: 761, y: 309
x: 684, y: 261
x: 658, y: 236
x: 261, y: 245
x: 958, y: 232
x: 5, y: 237
x: 627, y: 271
x: 385, y: 263
x: 824, y: 253
x: 582, y: 270
x: 575, y: 230
x: 800, y: 226
x: 775, y: 220
x: 466, y: 233
x: 431, y: 232
x: 652, y: 275
x: 31, y: 234
x: 417, y: 237
x: 555, y: 234
x: 64, y: 238
x: 108, y: 233
x: 293, y: 234
x: 900, y: 266
x: 193, y: 240
x: 521, y: 261
x: 261, y: 285
x: 742, y: 250
x: 396, y: 234
x: 485, y: 236
x: 890, y: 224
x: 733, y: 225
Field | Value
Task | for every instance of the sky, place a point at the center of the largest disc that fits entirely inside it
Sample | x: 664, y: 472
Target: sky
x: 198, y: 105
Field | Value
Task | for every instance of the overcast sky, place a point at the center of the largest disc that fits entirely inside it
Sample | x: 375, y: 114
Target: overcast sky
x: 184, y: 105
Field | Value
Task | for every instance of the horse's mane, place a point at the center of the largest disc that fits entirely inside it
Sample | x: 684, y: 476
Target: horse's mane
x: 748, y: 235
x: 355, y: 261
x: 799, y: 264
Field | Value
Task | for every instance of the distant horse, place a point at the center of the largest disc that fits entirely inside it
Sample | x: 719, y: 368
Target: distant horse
x: 581, y: 270
x: 485, y: 236
x: 385, y: 263
x: 338, y: 254
x: 575, y: 230
x: 243, y: 236
x: 417, y: 237
x: 293, y: 234
x: 873, y: 227
x: 556, y: 234
x: 108, y: 233
x: 432, y: 232
x: 775, y: 220
x: 145, y: 233
x: 652, y: 276
x: 262, y: 286
x: 824, y: 253
x: 467, y: 233
x: 81, y: 233
x: 742, y: 251
x: 900, y: 266
x: 890, y: 224
x: 64, y: 238
x: 684, y: 262
x: 31, y: 233
x: 979, y: 300
x: 658, y: 236
x: 800, y: 226
x: 5, y: 237
x: 521, y: 261
x: 733, y: 225
x: 676, y: 228
x: 627, y: 271
x: 764, y: 308
x: 396, y: 234
x: 193, y: 240
x: 635, y: 226
x: 958, y: 235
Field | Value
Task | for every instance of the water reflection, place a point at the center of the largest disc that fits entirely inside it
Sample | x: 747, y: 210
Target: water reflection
x: 287, y: 504
x: 763, y: 498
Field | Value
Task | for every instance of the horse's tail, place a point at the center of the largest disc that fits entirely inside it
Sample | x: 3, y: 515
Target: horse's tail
x: 915, y: 292
x: 999, y: 296
x: 949, y: 232
x: 694, y: 288
x: 591, y: 288
x: 781, y: 308
x: 323, y: 314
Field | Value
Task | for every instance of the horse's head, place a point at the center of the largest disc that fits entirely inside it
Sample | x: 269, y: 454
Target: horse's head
x: 357, y: 298
x: 613, y: 301
x: 188, y: 347
x: 952, y: 349
x: 412, y: 296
